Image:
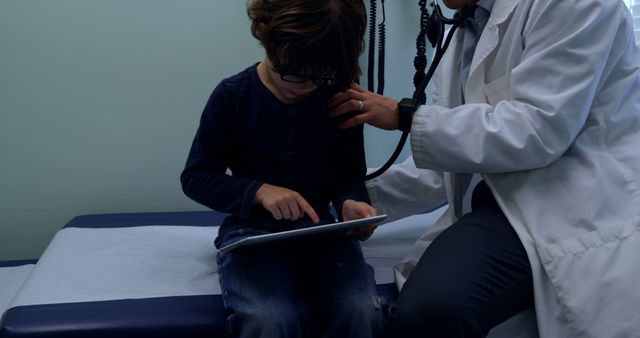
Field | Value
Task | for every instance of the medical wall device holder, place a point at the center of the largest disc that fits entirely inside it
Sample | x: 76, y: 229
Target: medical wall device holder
x: 432, y: 27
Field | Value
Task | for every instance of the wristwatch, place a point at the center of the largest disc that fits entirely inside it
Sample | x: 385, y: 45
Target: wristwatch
x: 406, y: 108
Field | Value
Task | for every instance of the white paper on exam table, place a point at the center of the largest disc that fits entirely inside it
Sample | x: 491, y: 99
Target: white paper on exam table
x: 320, y: 229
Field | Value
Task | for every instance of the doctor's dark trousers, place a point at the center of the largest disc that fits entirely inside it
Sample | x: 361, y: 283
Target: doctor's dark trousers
x: 473, y: 276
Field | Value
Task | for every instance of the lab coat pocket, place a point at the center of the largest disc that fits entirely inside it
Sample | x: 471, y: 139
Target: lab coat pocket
x: 498, y: 90
x: 595, y: 279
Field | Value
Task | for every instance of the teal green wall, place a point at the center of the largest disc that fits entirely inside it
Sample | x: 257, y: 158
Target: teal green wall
x: 99, y: 101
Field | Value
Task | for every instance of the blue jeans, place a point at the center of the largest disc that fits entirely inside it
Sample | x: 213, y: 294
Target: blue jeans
x: 312, y: 287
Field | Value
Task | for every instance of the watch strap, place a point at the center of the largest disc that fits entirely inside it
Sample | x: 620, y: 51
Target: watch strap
x: 406, y: 108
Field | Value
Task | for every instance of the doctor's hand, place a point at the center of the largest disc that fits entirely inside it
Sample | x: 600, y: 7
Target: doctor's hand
x: 355, y: 210
x: 284, y: 203
x: 371, y: 108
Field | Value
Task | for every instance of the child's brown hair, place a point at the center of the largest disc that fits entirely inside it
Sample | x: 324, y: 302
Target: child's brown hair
x: 312, y: 38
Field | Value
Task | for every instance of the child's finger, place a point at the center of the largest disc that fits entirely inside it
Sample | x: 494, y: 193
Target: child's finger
x: 294, y: 209
x: 275, y: 211
x: 362, y: 233
x: 308, y: 209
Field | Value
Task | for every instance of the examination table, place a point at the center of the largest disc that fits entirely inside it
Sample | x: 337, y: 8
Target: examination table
x: 154, y: 275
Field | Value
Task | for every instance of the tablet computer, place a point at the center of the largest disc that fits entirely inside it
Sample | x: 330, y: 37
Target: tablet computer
x: 319, y: 229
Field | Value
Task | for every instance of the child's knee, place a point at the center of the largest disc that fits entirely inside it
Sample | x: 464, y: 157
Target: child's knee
x: 271, y: 319
x: 365, y: 307
x: 357, y: 317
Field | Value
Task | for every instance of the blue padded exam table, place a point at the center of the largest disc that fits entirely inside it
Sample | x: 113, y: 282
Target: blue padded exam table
x: 74, y: 311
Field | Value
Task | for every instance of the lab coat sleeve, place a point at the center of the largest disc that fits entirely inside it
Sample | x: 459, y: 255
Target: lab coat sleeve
x: 544, y: 102
x: 405, y: 190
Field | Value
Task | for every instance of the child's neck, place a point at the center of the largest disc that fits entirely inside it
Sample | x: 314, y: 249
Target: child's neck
x: 267, y: 81
x: 266, y: 78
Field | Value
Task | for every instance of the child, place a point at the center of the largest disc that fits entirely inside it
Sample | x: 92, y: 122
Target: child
x: 270, y: 126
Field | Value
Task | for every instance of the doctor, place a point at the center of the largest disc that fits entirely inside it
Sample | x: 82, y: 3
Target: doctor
x: 534, y: 141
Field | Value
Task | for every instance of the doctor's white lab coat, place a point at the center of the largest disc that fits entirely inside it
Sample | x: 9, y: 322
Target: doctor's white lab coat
x: 552, y: 122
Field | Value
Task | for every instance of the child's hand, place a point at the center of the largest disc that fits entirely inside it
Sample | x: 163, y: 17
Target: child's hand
x: 355, y: 210
x: 284, y: 203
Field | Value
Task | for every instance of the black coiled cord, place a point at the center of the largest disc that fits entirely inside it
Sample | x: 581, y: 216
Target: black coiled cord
x: 420, y: 60
x: 421, y: 80
x: 372, y: 43
x: 382, y: 38
x: 420, y: 65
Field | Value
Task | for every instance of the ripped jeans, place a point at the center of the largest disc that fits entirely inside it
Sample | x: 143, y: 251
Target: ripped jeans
x: 312, y: 287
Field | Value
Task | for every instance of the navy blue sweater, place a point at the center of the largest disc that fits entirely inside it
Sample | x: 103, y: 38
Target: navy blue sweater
x: 245, y: 128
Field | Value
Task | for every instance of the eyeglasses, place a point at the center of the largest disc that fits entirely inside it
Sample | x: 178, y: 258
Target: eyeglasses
x: 322, y: 81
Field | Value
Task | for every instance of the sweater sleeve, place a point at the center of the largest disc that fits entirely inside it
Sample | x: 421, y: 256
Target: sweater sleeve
x: 349, y: 168
x: 204, y: 178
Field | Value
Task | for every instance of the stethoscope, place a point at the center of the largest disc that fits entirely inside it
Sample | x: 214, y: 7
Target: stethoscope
x: 432, y: 27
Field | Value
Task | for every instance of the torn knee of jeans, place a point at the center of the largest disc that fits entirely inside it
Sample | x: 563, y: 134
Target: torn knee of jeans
x: 377, y: 302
